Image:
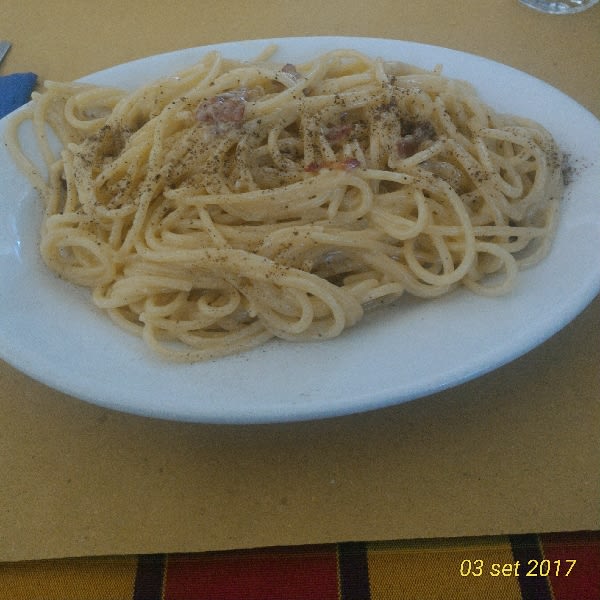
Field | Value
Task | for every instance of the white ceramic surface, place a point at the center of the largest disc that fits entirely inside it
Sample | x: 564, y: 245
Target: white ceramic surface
x: 50, y: 330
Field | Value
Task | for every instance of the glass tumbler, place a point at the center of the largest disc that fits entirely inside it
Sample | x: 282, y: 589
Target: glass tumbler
x: 564, y: 7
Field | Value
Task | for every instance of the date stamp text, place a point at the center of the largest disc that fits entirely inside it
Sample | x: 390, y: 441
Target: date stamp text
x: 533, y: 568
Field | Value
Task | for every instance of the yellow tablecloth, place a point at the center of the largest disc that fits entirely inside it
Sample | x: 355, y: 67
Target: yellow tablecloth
x: 511, y: 453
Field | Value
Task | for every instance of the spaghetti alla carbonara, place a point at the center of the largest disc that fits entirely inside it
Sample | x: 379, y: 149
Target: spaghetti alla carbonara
x: 237, y: 201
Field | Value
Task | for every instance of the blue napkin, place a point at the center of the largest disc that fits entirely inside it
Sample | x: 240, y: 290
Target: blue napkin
x: 15, y: 90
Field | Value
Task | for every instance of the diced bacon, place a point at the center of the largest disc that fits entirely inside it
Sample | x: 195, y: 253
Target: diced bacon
x: 407, y: 145
x: 417, y: 133
x: 351, y: 163
x: 338, y: 133
x: 224, y: 108
x: 290, y: 69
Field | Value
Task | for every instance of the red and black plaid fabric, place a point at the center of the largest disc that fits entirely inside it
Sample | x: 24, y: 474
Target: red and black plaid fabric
x: 563, y: 566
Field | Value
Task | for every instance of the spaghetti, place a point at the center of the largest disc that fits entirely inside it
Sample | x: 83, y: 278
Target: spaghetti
x: 236, y: 201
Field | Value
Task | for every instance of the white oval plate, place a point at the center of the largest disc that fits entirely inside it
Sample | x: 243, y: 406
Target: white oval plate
x: 50, y: 330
